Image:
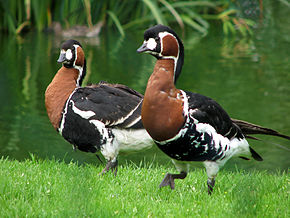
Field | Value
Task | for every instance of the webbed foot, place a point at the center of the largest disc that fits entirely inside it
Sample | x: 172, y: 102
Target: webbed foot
x: 113, y: 165
x: 210, y: 185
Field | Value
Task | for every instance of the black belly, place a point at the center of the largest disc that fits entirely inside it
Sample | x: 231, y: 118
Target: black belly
x: 192, y: 146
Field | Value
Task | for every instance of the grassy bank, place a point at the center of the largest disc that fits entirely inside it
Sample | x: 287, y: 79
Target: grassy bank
x: 38, y: 188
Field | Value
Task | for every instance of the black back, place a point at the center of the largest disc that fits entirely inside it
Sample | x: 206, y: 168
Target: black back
x: 206, y: 110
x: 111, y: 103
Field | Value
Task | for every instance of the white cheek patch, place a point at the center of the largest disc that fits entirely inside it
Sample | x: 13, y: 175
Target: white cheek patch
x: 68, y: 54
x: 151, y: 44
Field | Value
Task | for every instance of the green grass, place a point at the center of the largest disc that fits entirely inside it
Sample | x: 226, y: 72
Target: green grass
x: 49, y: 188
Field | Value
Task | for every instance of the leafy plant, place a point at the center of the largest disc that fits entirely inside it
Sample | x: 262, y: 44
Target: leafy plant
x: 16, y: 16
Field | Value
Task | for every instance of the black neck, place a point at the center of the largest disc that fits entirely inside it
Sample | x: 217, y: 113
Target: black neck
x: 180, y: 60
x: 83, y: 74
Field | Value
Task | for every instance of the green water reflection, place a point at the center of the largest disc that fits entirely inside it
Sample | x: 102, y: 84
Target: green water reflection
x: 249, y: 78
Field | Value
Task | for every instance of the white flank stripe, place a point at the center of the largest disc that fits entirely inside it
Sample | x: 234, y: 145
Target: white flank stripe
x: 60, y: 129
x: 124, y: 118
x: 100, y: 126
x: 133, y: 122
x: 83, y: 114
x: 228, y: 131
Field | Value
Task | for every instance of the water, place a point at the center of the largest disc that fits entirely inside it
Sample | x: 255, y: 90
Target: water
x: 248, y: 77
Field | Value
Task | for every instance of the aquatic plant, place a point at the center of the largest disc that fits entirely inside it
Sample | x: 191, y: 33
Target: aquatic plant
x: 18, y: 16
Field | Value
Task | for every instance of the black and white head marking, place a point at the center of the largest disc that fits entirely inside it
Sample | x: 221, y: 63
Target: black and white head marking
x: 154, y: 44
x: 69, y: 55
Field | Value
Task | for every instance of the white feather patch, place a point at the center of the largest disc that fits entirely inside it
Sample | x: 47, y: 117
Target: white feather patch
x: 68, y: 54
x: 133, y: 122
x: 122, y: 119
x: 60, y: 129
x: 101, y: 128
x: 132, y: 140
x: 151, y: 44
x: 83, y: 114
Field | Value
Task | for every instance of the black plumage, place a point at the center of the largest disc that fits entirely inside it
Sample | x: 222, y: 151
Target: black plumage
x: 110, y: 103
x: 207, y: 110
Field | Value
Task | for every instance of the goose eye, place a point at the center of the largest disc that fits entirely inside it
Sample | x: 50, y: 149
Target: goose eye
x: 157, y: 38
x: 68, y: 54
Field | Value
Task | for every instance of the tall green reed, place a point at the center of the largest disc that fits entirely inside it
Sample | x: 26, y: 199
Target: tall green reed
x: 17, y: 16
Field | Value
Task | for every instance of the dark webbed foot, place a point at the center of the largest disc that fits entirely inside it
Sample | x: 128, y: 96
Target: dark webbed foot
x: 169, y: 179
x: 113, y: 165
x: 210, y: 185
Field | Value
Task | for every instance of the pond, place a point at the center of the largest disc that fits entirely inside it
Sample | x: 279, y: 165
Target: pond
x: 248, y: 77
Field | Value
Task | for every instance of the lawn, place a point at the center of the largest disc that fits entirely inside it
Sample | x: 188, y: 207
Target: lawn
x: 51, y: 188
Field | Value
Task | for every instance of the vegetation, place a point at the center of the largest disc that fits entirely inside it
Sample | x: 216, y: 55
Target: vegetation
x: 17, y: 16
x: 50, y: 188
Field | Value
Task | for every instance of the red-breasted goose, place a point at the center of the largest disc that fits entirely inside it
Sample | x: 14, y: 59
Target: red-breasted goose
x: 102, y: 117
x: 189, y: 126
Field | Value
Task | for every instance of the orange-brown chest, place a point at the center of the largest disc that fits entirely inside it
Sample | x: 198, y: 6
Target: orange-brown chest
x: 162, y: 109
x: 57, y: 93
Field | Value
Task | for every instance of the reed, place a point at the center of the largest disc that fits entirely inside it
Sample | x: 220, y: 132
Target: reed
x: 18, y: 16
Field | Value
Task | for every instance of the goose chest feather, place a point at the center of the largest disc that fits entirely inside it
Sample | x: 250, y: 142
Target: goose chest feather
x: 162, y: 107
x: 101, y: 117
x: 57, y: 93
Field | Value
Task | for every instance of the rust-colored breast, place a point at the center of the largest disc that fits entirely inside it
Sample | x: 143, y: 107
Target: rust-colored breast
x: 162, y: 111
x: 58, y: 91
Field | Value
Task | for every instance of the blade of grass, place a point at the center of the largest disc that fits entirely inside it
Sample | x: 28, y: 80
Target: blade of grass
x: 285, y: 2
x: 11, y: 25
x: 28, y: 9
x: 9, y: 18
x: 22, y: 26
x: 227, y: 13
x: 117, y: 22
x: 174, y: 13
x: 194, y: 4
x: 136, y: 22
x: 155, y: 11
x: 194, y: 24
x: 225, y: 28
x: 87, y: 5
x: 197, y: 17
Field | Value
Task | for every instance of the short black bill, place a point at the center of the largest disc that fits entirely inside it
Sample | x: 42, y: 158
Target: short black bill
x: 143, y: 48
x: 61, y: 58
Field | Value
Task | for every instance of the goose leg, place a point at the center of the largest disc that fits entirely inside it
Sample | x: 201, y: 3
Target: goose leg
x: 169, y: 179
x: 110, y: 152
x: 111, y: 165
x: 210, y: 185
x: 212, y: 169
